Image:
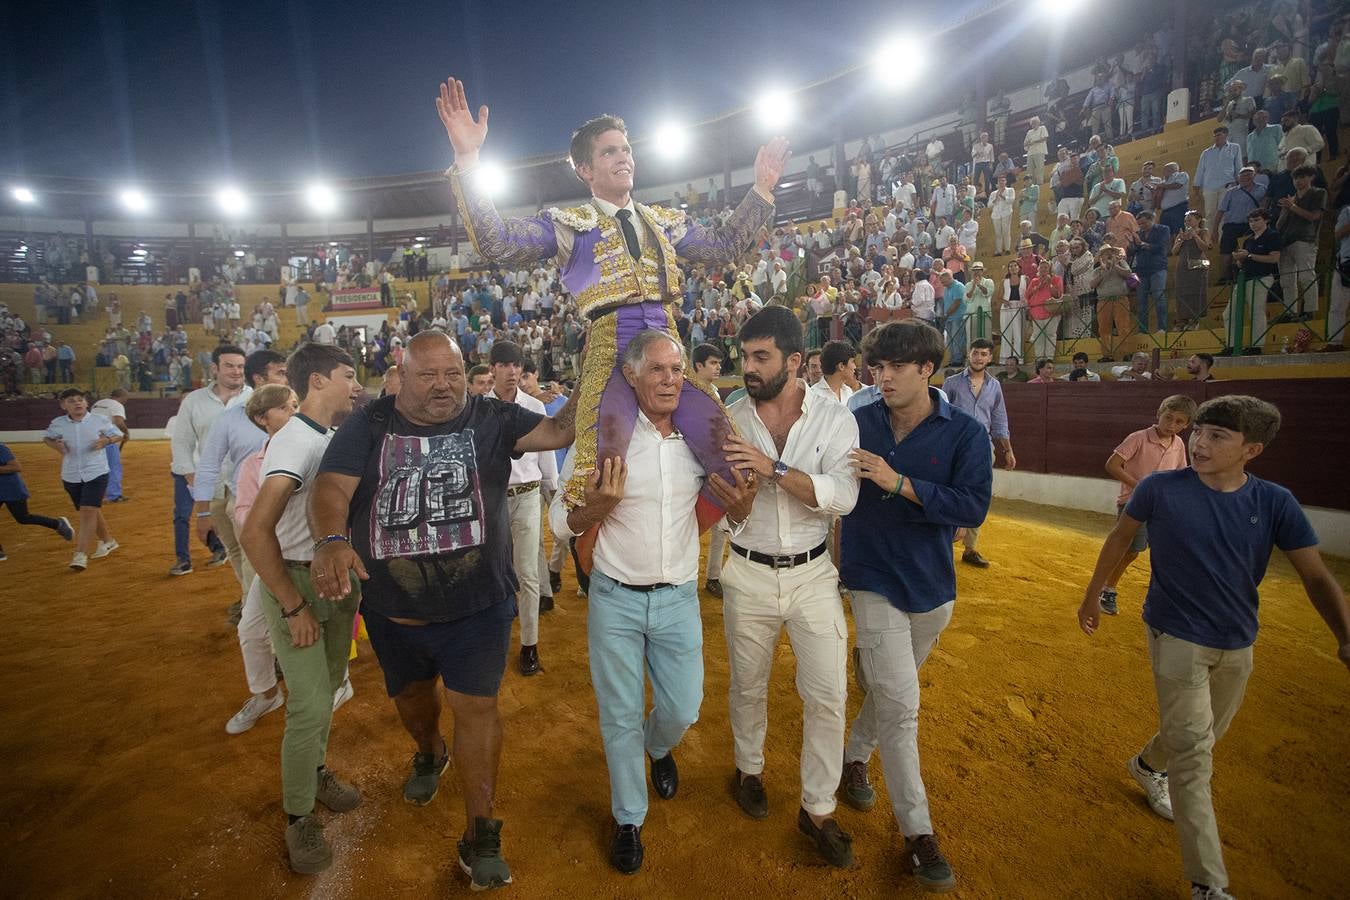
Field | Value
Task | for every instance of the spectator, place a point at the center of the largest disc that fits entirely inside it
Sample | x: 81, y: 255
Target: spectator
x: 1324, y: 106
x: 1174, y: 196
x: 65, y: 358
x: 1044, y: 296
x: 1137, y: 370
x: 1144, y: 191
x: 1263, y: 142
x: 1034, y: 145
x: 1078, y: 283
x: 1252, y: 78
x: 979, y: 303
x: 1045, y: 371
x: 1001, y: 210
x: 1080, y: 370
x: 1028, y: 207
x: 1236, y: 113
x: 1110, y: 189
x: 1150, y: 264
x: 1290, y: 69
x: 1277, y: 99
x: 1012, y: 312
x: 982, y: 161
x: 1198, y: 366
x: 1154, y: 82
x: 1012, y: 371
x: 1070, y: 187
x: 1299, y: 134
x: 1298, y: 222
x: 1237, y: 202
x: 1113, y: 301
x: 1259, y: 258
x: 1218, y: 168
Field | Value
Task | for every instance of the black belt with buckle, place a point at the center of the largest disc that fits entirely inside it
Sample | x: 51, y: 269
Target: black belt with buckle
x: 645, y: 588
x: 780, y: 562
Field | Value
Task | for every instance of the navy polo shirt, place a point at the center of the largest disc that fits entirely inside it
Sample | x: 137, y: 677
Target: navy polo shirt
x: 901, y: 549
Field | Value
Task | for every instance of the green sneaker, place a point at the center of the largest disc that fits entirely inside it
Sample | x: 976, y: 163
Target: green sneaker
x: 421, y: 786
x: 856, y: 787
x: 481, y: 857
x: 929, y: 866
x: 310, y: 853
x: 336, y: 795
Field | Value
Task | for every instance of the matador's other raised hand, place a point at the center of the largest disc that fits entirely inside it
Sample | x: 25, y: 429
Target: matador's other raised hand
x: 769, y: 163
x: 466, y: 135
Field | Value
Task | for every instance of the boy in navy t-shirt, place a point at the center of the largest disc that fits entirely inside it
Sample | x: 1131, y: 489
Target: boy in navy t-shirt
x: 1212, y: 527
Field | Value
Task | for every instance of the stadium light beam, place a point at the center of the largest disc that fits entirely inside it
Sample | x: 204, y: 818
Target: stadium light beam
x: 491, y: 178
x: 23, y: 195
x: 775, y: 110
x: 321, y: 198
x: 232, y: 201
x: 671, y: 141
x: 134, y: 200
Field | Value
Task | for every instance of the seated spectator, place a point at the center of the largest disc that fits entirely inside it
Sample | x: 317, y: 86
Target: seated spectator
x: 1012, y: 371
x: 1137, y: 370
x: 1080, y: 370
x: 1045, y: 371
x: 1198, y: 366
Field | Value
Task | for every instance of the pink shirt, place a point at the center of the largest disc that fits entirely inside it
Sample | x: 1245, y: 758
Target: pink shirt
x: 247, y: 485
x: 1144, y: 453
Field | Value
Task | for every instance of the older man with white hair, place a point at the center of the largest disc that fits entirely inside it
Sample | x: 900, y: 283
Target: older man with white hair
x: 1035, y: 144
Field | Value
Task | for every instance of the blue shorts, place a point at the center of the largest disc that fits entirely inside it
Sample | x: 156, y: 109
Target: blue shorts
x: 1140, y: 542
x: 468, y: 654
x: 87, y: 493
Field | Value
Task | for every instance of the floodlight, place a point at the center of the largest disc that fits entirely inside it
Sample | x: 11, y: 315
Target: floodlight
x: 490, y: 177
x: 139, y: 251
x: 321, y: 198
x: 899, y: 61
x: 232, y: 201
x: 23, y: 195
x: 671, y: 140
x: 775, y: 109
x: 239, y: 253
x: 134, y: 200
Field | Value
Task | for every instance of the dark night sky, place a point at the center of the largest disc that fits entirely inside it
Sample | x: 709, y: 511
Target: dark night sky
x: 199, y: 90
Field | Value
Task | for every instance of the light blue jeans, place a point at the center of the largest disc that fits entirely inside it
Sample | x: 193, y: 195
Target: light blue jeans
x: 114, y: 454
x: 626, y: 630
x: 1152, y: 285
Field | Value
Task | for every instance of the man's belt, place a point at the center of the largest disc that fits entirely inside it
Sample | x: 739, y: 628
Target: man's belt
x: 780, y: 562
x: 645, y: 588
x: 518, y: 489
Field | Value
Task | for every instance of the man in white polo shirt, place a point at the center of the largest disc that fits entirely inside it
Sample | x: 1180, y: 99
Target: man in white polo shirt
x: 528, y: 474
x: 779, y: 575
x: 311, y: 636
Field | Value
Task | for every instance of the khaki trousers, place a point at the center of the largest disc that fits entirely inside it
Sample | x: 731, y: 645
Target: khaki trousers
x: 1199, y: 691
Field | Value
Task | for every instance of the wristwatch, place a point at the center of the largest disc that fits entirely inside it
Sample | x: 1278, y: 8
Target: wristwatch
x: 780, y: 469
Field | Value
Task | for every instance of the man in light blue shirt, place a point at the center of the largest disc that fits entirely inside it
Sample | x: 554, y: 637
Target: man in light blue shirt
x: 1218, y: 168
x: 231, y: 438
x: 981, y: 397
x: 1263, y: 142
x: 80, y: 436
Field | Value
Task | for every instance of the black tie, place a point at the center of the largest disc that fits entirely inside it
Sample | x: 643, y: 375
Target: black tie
x: 629, y: 233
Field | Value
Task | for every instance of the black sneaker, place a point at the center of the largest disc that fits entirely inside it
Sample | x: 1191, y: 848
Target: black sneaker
x: 855, y: 786
x: 1108, y: 601
x: 929, y: 866
x: 555, y: 581
x: 182, y: 567
x: 481, y: 857
x: 218, y: 558
x: 63, y: 528
x: 835, y: 847
x: 545, y: 603
x: 427, y: 768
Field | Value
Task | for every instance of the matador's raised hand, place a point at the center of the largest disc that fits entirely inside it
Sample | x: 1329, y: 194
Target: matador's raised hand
x: 769, y: 163
x: 466, y: 135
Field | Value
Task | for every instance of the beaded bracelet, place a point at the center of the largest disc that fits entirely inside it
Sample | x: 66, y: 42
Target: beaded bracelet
x: 330, y: 538
x: 900, y: 482
x: 295, y: 612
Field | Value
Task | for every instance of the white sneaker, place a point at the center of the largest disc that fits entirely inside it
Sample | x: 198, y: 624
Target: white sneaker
x: 1202, y: 892
x: 103, y: 549
x: 342, y: 694
x: 257, y: 706
x: 79, y: 562
x: 1155, y: 786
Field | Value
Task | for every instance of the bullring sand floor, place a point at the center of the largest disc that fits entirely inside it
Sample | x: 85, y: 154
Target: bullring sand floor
x: 121, y: 781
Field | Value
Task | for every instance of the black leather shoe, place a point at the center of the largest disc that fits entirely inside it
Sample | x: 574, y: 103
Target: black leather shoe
x: 749, y: 793
x: 529, y: 659
x: 545, y: 603
x: 555, y: 581
x: 835, y: 847
x: 665, y: 776
x: 973, y: 558
x: 626, y: 853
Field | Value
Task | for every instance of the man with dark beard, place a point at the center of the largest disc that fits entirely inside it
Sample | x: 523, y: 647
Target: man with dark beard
x: 797, y: 441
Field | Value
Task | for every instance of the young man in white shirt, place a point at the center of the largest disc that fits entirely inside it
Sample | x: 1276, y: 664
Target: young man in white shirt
x: 111, y: 408
x: 838, y: 371
x: 643, y: 611
x: 80, y: 436
x: 529, y: 474
x: 797, y: 442
x: 311, y: 637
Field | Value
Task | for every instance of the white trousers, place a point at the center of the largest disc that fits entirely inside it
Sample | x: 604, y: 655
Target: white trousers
x: 892, y: 647
x: 1010, y: 322
x: 1340, y: 299
x: 525, y: 522
x: 549, y: 561
x: 1003, y: 235
x: 1258, y: 290
x: 717, y: 550
x: 1044, y: 337
x: 1071, y: 207
x: 255, y: 640
x: 758, y: 603
x: 1212, y: 199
